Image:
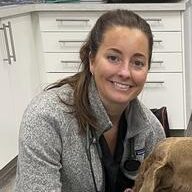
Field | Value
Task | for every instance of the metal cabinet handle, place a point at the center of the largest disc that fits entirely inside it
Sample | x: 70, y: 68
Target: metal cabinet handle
x: 157, y: 63
x: 62, y: 61
x: 157, y: 41
x: 63, y: 20
x: 160, y: 62
x: 12, y: 42
x: 6, y: 44
x: 154, y: 84
x: 9, y: 56
x: 153, y: 19
x: 73, y: 21
x: 70, y: 41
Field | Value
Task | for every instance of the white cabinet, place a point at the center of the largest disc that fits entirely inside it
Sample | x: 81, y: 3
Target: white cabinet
x: 62, y: 34
x: 19, y: 80
x: 165, y: 84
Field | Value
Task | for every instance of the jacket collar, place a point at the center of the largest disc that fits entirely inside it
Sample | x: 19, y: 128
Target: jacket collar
x: 98, y: 109
x: 137, y: 120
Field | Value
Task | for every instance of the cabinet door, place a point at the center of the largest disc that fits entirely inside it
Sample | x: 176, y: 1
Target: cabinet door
x: 24, y: 74
x: 23, y: 79
x: 166, y: 89
x: 7, y: 118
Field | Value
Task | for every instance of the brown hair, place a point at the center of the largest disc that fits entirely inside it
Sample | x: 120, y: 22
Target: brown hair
x: 80, y: 81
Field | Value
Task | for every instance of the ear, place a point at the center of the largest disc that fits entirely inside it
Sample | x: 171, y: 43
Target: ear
x: 145, y: 166
x: 163, y: 179
x: 91, y: 61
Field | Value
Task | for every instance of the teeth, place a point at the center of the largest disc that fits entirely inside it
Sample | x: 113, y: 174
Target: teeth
x: 121, y: 86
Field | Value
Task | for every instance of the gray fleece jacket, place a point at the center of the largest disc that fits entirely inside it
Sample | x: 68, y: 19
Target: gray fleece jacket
x: 52, y: 154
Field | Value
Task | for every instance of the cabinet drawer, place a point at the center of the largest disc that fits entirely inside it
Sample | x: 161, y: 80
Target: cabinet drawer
x: 166, y: 62
x: 167, y: 42
x: 166, y: 90
x: 63, y: 41
x: 163, y: 21
x: 72, y: 41
x: 159, y: 21
x: 70, y: 62
x: 73, y: 21
x: 62, y: 62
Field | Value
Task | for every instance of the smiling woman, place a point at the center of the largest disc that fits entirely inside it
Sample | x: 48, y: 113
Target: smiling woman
x: 89, y: 132
x: 120, y: 66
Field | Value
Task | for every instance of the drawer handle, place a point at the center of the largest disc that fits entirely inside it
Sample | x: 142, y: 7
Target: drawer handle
x: 62, y: 61
x: 153, y: 19
x: 70, y: 41
x: 157, y: 41
x: 154, y: 83
x: 71, y: 65
x: 72, y: 20
x: 157, y: 63
x: 160, y: 62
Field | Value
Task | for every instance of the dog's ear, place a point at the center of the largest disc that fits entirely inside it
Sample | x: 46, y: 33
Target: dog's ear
x: 163, y: 179
x: 143, y: 173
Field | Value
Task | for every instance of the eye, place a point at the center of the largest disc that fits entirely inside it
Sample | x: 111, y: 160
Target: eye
x: 138, y: 63
x: 113, y: 58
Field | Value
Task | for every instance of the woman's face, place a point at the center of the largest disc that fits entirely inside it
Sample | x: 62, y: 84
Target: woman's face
x: 120, y: 66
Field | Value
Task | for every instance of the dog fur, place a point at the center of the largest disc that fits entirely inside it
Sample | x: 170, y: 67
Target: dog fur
x: 168, y: 168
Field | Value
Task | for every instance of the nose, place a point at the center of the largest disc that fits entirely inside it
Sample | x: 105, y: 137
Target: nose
x: 124, y: 70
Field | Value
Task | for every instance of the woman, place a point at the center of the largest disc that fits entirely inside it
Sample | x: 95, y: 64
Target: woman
x: 89, y: 132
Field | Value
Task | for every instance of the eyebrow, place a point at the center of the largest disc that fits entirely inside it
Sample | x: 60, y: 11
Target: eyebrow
x: 139, y: 55
x: 118, y: 51
x: 115, y: 50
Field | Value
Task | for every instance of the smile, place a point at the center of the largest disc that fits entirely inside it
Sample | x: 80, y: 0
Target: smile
x: 121, y: 86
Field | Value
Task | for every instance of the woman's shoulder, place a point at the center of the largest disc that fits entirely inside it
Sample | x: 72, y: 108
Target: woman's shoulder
x: 154, y: 125
x: 156, y: 131
x: 50, y: 101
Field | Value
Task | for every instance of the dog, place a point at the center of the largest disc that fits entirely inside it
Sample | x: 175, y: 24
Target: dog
x: 168, y: 168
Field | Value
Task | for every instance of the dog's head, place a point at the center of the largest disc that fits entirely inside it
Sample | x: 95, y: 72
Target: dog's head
x: 168, y: 168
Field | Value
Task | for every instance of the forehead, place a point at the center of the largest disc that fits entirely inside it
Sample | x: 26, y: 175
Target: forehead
x: 126, y: 38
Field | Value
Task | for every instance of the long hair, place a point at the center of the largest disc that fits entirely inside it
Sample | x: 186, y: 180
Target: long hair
x: 80, y: 81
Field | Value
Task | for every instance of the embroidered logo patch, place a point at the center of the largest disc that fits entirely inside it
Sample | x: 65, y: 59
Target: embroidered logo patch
x: 140, y: 151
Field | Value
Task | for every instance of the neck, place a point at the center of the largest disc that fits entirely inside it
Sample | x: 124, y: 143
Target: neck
x: 115, y: 112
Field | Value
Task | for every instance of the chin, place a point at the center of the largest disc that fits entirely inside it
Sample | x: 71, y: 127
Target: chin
x: 121, y: 101
x: 124, y: 99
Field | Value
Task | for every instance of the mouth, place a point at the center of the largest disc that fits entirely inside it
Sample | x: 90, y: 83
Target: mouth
x: 121, y: 86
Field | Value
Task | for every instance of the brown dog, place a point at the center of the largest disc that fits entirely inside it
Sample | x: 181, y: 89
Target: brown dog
x: 168, y: 168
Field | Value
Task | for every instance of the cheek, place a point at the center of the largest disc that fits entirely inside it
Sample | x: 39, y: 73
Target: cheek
x: 94, y: 65
x: 98, y: 67
x: 139, y: 77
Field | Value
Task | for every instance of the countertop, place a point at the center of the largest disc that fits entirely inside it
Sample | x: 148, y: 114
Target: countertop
x: 12, y: 10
